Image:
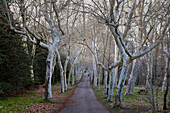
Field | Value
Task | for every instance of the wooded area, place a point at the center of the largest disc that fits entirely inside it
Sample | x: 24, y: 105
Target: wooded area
x: 122, y: 44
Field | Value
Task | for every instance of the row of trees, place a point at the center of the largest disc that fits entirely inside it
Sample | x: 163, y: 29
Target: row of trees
x: 119, y: 35
x: 139, y: 32
x: 42, y: 36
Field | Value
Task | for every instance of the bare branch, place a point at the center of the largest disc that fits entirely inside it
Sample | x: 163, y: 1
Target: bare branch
x: 129, y: 20
x: 24, y: 33
x: 141, y: 53
x: 58, y: 20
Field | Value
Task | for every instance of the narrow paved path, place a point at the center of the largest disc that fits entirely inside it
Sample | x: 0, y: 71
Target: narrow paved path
x: 84, y: 100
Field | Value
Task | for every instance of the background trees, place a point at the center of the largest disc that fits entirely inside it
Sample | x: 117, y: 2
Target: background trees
x: 14, y: 61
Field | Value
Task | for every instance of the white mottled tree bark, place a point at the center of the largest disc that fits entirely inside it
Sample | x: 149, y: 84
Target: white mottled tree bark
x: 111, y: 85
x: 149, y: 82
x: 32, y: 71
x: 164, y: 84
x: 49, y: 71
x: 61, y: 71
x: 121, y: 83
x: 51, y: 62
x: 105, y: 83
x: 65, y: 72
x: 32, y: 61
x: 95, y: 71
x: 132, y: 80
x: 116, y: 68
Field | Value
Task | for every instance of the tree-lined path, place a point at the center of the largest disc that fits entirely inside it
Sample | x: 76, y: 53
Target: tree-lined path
x: 49, y: 43
x: 84, y: 100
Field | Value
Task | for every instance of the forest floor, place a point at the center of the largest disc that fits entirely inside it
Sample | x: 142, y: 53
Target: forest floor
x: 136, y: 103
x: 32, y: 101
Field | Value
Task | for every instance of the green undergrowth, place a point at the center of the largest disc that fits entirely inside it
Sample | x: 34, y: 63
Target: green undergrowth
x: 68, y: 90
x: 135, y: 99
x: 71, y: 79
x: 44, y: 101
x: 119, y: 107
x: 57, y: 83
x: 18, y: 104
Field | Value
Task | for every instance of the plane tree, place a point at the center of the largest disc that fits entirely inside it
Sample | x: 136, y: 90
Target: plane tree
x: 121, y: 20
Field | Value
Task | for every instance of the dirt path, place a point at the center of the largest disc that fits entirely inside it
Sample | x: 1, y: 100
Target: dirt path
x: 84, y: 100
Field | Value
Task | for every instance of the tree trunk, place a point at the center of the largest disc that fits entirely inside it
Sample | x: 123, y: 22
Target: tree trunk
x: 149, y: 82
x: 166, y: 91
x: 116, y: 68
x: 99, y: 82
x: 51, y: 59
x: 62, y: 80
x: 32, y: 71
x: 79, y: 73
x: 51, y: 62
x: 69, y: 75
x: 95, y: 71
x: 92, y: 76
x: 103, y: 72
x: 65, y: 81
x: 132, y: 79
x: 61, y: 71
x: 121, y: 83
x: 76, y: 67
x: 65, y: 72
x: 111, y: 85
x: 73, y: 76
x: 164, y: 84
x: 105, y: 83
x: 103, y: 76
x: 99, y: 75
x: 150, y: 72
x: 32, y: 61
x: 167, y: 68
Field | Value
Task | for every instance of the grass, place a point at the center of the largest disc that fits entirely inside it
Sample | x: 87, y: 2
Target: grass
x: 44, y: 101
x: 119, y: 107
x: 136, y: 100
x: 18, y: 104
x: 68, y: 90
x: 57, y: 83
